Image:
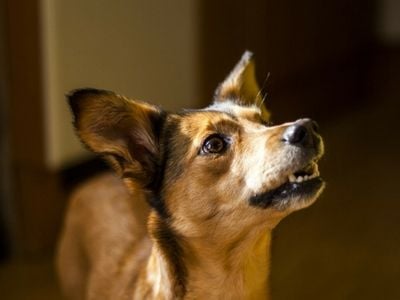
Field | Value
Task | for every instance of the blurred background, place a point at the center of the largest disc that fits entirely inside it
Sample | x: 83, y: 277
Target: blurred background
x: 336, y: 61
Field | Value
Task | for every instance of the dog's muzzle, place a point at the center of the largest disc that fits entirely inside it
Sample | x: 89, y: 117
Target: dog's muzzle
x: 304, y: 181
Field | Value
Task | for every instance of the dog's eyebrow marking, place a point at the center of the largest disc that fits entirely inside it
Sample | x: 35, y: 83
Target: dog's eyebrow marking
x: 225, y: 126
x: 206, y: 121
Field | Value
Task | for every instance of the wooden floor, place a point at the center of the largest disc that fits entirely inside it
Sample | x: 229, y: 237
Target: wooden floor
x: 32, y: 279
x: 347, y: 245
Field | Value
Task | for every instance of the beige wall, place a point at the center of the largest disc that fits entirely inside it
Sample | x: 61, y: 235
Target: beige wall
x: 143, y: 49
x: 389, y: 20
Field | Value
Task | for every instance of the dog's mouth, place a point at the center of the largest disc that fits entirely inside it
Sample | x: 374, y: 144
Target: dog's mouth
x: 305, y: 174
x: 302, y: 184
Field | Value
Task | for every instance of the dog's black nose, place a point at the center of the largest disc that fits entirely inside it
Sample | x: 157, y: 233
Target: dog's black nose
x: 302, y: 133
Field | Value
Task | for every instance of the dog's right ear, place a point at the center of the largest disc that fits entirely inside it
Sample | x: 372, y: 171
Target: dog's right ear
x: 125, y: 131
x: 241, y: 86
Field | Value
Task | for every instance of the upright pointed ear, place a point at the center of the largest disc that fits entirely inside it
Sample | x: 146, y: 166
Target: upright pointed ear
x: 241, y: 86
x: 123, y: 130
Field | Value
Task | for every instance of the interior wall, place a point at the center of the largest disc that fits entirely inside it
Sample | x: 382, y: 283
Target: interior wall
x: 389, y: 21
x: 307, y: 52
x: 5, y: 179
x: 143, y: 49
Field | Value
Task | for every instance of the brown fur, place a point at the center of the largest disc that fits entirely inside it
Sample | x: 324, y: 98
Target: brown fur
x: 211, y: 214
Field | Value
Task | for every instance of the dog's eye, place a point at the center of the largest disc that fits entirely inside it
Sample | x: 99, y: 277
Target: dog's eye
x: 214, y: 144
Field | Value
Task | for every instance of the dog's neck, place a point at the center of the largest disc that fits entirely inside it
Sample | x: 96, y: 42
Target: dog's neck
x: 237, y: 269
x: 212, y: 267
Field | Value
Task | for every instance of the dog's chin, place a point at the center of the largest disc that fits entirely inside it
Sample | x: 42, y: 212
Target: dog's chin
x: 300, y: 190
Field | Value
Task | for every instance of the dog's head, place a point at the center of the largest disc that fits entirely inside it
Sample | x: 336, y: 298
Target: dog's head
x: 225, y: 164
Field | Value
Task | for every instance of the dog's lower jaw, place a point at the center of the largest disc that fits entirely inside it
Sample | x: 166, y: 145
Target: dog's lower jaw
x: 207, y: 269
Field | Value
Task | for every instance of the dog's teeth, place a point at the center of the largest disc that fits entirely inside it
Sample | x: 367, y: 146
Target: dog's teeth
x: 292, y: 178
x: 299, y: 179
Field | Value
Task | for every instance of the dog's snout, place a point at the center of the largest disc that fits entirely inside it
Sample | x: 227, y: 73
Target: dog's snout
x: 302, y: 133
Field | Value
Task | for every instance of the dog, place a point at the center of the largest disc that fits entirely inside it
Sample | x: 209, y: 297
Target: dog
x: 196, y: 195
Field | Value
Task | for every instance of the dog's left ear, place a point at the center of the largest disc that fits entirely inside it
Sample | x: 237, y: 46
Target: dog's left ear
x: 124, y: 131
x: 241, y: 86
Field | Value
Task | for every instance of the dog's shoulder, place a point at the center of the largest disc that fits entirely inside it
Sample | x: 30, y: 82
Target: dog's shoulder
x: 98, y: 190
x: 105, y: 224
x: 106, y: 209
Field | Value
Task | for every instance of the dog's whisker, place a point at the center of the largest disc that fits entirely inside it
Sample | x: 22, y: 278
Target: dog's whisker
x: 261, y: 91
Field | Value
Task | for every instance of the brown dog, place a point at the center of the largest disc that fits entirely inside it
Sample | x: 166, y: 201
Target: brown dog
x: 217, y: 181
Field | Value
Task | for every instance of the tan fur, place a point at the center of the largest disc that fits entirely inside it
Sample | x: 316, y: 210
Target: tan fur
x: 205, y: 238
x: 104, y: 232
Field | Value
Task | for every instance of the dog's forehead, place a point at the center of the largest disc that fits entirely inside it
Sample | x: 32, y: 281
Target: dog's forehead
x: 217, y: 112
x: 226, y: 117
x: 221, y: 115
x: 198, y: 122
x: 232, y: 108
